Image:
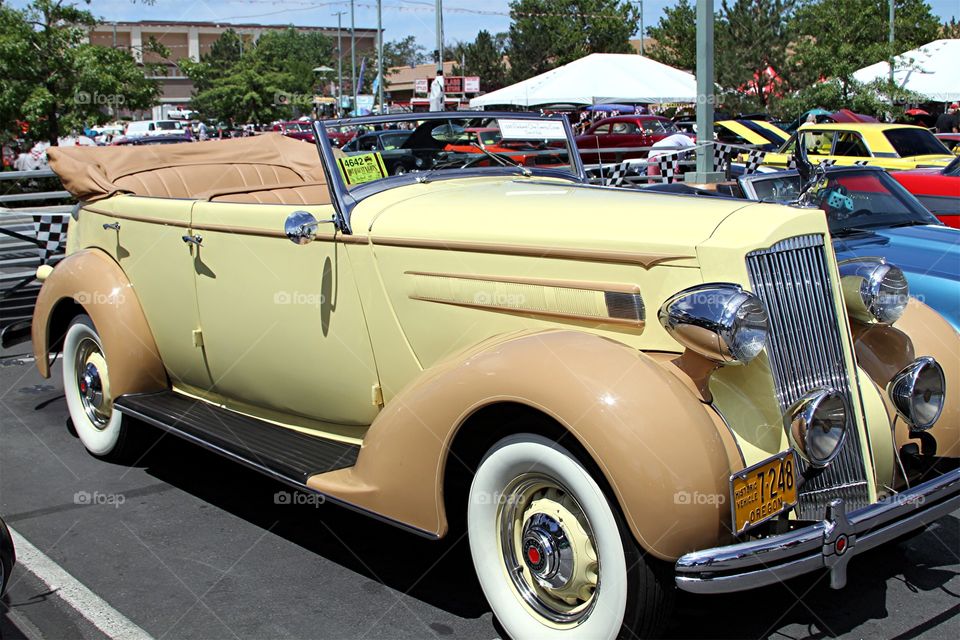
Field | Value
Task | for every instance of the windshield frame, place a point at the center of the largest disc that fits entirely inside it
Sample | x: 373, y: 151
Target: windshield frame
x: 914, y: 208
x: 344, y: 200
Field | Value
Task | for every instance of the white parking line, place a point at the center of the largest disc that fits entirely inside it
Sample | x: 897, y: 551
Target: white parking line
x: 85, y: 602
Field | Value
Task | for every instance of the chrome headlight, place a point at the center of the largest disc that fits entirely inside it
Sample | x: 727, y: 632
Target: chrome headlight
x: 918, y: 392
x: 873, y: 290
x: 816, y: 425
x: 720, y: 321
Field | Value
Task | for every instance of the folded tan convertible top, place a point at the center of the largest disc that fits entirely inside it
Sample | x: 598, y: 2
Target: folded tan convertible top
x: 94, y: 173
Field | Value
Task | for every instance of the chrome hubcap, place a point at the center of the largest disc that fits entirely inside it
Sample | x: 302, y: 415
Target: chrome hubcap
x: 92, y: 384
x: 548, y: 549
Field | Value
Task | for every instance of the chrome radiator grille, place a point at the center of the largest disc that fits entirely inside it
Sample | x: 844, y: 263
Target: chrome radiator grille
x: 805, y: 352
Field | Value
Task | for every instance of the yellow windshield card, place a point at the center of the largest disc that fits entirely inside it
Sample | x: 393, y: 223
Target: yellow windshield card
x: 361, y: 168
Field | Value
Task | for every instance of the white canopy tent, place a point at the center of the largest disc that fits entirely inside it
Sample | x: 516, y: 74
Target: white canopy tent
x: 931, y: 70
x: 596, y: 79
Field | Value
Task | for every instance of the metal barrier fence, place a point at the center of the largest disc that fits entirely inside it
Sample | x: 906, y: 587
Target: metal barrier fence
x: 30, y: 235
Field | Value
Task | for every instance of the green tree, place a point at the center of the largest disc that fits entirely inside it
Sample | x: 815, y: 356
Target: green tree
x: 545, y: 34
x: 54, y: 80
x: 752, y: 38
x: 403, y: 53
x: 834, y: 38
x: 676, y: 36
x: 270, y: 79
x: 484, y: 58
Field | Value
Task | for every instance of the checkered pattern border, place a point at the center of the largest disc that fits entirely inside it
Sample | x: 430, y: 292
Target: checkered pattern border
x: 754, y: 160
x: 51, y: 235
x: 617, y: 174
x: 722, y: 153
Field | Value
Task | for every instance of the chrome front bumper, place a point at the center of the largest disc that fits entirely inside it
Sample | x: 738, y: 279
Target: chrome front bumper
x: 828, y: 544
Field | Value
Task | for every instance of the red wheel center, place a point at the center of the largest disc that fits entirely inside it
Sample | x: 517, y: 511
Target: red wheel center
x: 533, y: 555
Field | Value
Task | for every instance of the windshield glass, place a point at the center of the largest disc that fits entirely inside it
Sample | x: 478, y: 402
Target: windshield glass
x: 438, y: 146
x: 915, y: 142
x: 852, y: 200
x: 953, y: 169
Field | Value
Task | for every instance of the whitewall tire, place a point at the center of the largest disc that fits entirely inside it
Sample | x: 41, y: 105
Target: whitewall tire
x: 551, y: 552
x: 86, y: 385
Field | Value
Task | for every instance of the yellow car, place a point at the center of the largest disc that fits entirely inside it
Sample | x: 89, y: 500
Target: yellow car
x: 756, y: 133
x: 613, y: 393
x: 891, y: 146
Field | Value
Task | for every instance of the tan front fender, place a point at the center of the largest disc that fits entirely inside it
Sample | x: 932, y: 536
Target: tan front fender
x: 91, y: 279
x: 883, y: 351
x: 656, y: 444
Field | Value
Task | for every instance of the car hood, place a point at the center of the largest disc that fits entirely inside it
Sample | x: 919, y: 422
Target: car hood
x: 929, y: 249
x: 544, y: 213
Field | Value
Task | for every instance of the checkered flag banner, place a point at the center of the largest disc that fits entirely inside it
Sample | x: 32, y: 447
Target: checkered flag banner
x: 51, y: 234
x: 754, y: 160
x: 617, y: 174
x: 827, y: 162
x: 669, y: 166
x: 861, y: 163
x: 721, y: 156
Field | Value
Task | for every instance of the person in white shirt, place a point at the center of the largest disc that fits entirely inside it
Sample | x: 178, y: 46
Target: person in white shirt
x: 437, y: 97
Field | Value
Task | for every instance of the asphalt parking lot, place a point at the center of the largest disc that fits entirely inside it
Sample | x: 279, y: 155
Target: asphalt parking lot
x: 187, y: 545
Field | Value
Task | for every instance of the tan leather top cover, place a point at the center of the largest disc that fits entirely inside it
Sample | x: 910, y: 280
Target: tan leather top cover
x: 94, y: 173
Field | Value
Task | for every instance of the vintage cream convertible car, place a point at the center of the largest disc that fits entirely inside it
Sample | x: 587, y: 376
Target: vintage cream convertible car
x: 616, y: 393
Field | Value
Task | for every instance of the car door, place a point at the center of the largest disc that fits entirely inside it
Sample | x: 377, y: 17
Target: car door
x: 145, y: 236
x: 282, y: 324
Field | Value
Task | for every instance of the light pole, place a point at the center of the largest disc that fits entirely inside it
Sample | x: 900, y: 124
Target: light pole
x: 339, y: 65
x: 353, y: 58
x: 380, y: 54
x: 641, y: 27
x: 705, y: 97
x: 440, y: 36
x: 890, y: 38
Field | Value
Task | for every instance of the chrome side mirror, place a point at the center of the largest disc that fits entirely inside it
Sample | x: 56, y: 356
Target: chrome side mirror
x: 301, y: 227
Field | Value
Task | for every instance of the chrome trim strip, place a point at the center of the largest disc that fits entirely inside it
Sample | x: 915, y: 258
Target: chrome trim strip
x: 760, y: 562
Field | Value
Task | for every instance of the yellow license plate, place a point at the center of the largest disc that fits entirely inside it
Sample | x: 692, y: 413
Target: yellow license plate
x: 763, y: 491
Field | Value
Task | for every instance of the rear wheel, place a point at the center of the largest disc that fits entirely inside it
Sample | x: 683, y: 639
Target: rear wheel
x: 552, y: 554
x: 86, y: 384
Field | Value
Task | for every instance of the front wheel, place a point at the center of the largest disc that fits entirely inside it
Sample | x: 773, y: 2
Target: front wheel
x: 86, y: 384
x: 553, y: 556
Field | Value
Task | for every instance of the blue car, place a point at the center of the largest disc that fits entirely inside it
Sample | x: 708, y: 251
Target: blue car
x: 871, y: 215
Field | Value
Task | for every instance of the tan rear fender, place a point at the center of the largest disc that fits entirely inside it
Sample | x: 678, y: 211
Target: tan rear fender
x: 658, y: 447
x: 92, y: 281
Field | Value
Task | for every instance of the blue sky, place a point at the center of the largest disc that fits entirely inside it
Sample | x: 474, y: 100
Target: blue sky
x: 462, y: 18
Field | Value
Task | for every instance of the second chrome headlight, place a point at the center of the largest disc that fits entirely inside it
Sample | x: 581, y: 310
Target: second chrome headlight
x: 874, y: 290
x: 720, y: 321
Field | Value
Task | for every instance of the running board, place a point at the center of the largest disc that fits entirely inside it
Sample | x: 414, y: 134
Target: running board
x: 282, y: 453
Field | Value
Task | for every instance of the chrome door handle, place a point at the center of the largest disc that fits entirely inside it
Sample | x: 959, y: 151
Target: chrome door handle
x: 112, y: 225
x: 195, y: 239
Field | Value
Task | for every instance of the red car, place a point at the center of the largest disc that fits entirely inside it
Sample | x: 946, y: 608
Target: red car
x: 950, y: 141
x: 938, y: 190
x: 296, y: 129
x: 623, y: 132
